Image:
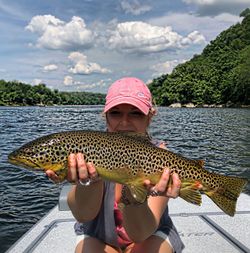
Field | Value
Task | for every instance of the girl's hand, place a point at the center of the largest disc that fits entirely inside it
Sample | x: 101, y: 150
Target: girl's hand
x: 162, y: 188
x: 52, y: 176
x: 78, y: 171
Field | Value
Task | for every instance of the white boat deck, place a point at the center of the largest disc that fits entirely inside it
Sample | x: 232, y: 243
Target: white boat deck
x: 204, y: 229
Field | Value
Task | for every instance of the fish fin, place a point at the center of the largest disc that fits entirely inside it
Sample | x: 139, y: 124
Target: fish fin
x: 125, y: 176
x: 58, y: 168
x: 139, y: 193
x: 226, y: 195
x: 225, y: 204
x: 139, y: 136
x: 189, y: 191
x: 136, y: 186
x: 201, y: 163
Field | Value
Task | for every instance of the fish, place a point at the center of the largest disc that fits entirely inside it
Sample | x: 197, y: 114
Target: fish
x: 129, y: 159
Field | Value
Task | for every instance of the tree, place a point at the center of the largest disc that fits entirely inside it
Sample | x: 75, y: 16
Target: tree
x: 220, y: 74
x: 245, y: 13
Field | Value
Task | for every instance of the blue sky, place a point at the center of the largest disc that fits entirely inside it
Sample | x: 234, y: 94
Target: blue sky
x: 85, y: 45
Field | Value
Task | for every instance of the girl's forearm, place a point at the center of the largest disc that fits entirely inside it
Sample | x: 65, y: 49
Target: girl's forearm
x: 85, y: 201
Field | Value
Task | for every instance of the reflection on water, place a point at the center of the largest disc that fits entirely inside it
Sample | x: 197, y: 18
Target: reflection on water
x: 218, y: 136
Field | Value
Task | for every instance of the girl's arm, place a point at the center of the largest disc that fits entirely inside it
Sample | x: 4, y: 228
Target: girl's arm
x: 84, y: 201
x: 141, y: 221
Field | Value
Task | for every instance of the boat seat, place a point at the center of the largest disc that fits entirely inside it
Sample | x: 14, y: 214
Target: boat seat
x: 62, y: 202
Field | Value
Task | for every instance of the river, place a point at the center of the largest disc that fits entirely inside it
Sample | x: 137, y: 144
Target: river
x: 220, y: 136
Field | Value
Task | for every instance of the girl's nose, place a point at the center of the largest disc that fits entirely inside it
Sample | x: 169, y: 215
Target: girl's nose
x: 124, y: 120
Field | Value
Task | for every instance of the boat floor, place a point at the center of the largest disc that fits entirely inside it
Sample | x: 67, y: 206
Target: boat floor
x: 203, y: 229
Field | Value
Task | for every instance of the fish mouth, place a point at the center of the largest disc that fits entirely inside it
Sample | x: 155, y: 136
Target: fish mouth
x: 23, y: 162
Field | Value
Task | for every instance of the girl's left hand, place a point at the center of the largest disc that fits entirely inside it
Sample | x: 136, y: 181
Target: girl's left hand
x: 162, y: 188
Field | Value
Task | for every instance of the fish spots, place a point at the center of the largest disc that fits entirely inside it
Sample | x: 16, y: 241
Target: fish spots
x: 110, y: 151
x: 134, y: 172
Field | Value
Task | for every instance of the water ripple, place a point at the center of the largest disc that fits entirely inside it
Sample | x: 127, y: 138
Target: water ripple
x: 218, y: 136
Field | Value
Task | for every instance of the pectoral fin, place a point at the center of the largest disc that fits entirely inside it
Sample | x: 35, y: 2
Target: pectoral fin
x: 58, y: 168
x: 139, y: 193
x: 133, y: 180
x: 190, y: 192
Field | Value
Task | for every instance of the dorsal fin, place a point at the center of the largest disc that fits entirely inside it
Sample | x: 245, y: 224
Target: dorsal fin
x: 140, y: 136
x: 201, y: 163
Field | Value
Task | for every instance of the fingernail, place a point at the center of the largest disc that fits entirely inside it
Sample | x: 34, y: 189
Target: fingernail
x: 175, y: 174
x: 79, y: 156
x: 71, y: 157
x: 166, y: 171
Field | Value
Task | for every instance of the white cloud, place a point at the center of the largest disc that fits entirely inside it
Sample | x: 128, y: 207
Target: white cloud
x: 79, y: 85
x: 143, y: 37
x: 227, y: 18
x: 82, y: 66
x: 134, y: 7
x: 56, y: 34
x: 210, y: 2
x: 39, y: 24
x: 198, y: 1
x: 36, y: 81
x: 194, y: 38
x: 50, y: 67
x: 216, y: 7
x: 98, y: 85
x: 165, y: 67
x: 185, y: 23
x: 68, y: 80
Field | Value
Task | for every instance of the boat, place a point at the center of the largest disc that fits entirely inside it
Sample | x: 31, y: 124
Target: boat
x: 203, y: 229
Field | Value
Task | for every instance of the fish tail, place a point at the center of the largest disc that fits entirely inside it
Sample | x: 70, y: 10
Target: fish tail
x: 226, y: 194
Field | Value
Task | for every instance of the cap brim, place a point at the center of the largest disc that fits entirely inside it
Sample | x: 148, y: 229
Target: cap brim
x: 128, y: 100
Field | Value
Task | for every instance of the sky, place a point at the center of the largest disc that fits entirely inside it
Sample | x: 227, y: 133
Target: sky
x: 85, y: 45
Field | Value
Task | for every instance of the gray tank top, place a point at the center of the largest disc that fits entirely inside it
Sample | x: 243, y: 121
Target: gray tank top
x: 103, y: 226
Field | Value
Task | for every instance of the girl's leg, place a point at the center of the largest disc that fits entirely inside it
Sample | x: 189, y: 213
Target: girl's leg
x: 93, y: 245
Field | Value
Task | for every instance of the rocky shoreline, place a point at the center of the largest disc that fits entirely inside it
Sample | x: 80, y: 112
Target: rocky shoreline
x: 174, y: 105
x: 192, y: 105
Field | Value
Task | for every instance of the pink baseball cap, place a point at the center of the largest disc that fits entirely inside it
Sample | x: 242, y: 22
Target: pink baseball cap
x: 129, y: 90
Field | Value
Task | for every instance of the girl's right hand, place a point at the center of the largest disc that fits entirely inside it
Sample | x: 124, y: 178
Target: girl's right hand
x: 78, y: 170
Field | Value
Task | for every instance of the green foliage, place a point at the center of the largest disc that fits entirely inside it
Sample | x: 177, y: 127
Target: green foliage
x: 220, y: 75
x: 245, y: 12
x: 17, y: 93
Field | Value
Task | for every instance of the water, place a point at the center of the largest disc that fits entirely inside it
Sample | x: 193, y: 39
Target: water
x: 220, y: 136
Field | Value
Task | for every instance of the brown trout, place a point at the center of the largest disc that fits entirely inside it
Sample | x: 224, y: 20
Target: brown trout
x: 129, y: 159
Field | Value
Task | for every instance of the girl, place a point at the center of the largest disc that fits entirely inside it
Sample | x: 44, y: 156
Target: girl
x: 137, y: 228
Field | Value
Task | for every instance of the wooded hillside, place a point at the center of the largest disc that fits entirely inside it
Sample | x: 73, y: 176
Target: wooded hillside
x: 17, y: 93
x: 220, y: 75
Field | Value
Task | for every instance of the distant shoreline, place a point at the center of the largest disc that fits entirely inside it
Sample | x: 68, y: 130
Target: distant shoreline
x: 174, y: 105
x: 192, y: 105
